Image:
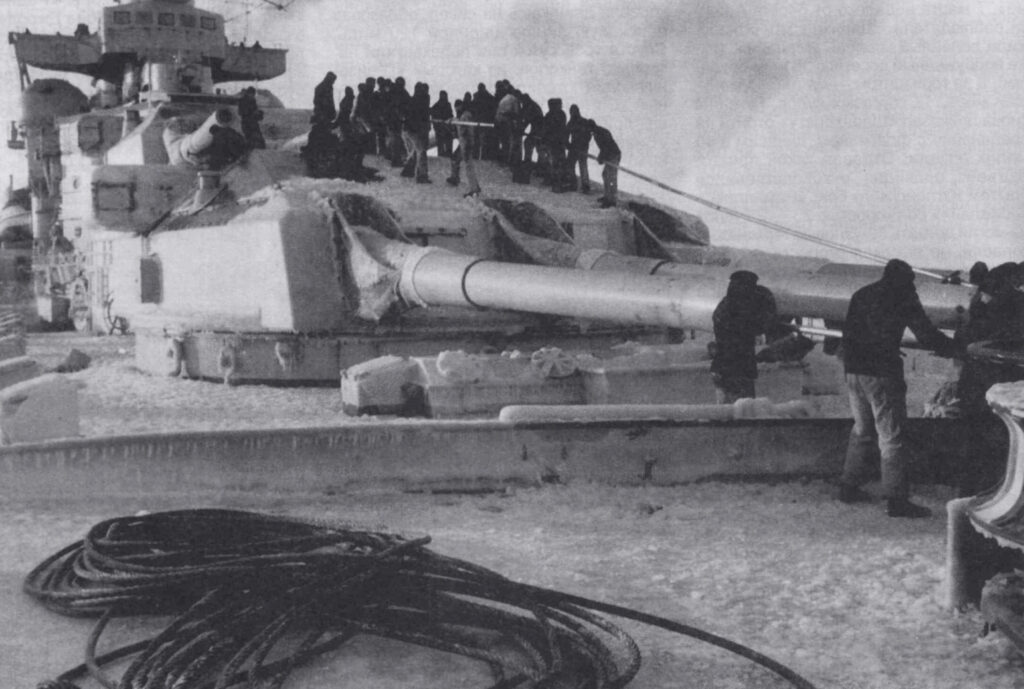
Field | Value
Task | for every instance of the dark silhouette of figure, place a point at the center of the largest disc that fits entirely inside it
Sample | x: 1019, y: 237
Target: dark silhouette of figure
x: 416, y: 133
x: 484, y: 108
x: 344, y: 120
x: 995, y: 314
x: 462, y: 155
x: 609, y: 155
x: 579, y: 146
x: 323, y: 101
x: 554, y: 141
x: 441, y: 112
x: 250, y: 116
x: 396, y: 104
x: 878, y: 315
x: 746, y: 312
x: 532, y: 116
x: 361, y: 120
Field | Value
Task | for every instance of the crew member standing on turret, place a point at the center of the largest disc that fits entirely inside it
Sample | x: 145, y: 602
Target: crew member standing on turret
x: 579, y: 146
x: 555, y: 139
x: 609, y: 155
x: 343, y: 123
x: 250, y: 115
x: 747, y: 311
x: 416, y: 133
x: 530, y: 115
x: 878, y: 315
x: 324, y: 111
x: 441, y: 112
x: 463, y: 151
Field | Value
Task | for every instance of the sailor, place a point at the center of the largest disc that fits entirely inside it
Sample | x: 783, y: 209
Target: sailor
x: 360, y: 121
x: 343, y: 122
x: 441, y: 112
x: 416, y: 133
x: 609, y: 155
x: 485, y: 107
x: 995, y: 314
x: 250, y: 115
x: 579, y: 145
x: 395, y: 105
x: 530, y: 116
x: 323, y: 101
x: 505, y: 124
x: 464, y: 148
x: 747, y: 311
x: 878, y: 315
x: 555, y: 140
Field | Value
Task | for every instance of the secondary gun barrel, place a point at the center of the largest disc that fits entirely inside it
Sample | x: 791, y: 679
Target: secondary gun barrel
x: 187, y: 147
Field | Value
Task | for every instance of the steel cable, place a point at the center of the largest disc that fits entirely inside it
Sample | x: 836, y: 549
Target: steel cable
x: 255, y: 596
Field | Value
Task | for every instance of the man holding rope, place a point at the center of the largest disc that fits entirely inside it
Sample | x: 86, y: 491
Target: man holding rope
x: 609, y: 155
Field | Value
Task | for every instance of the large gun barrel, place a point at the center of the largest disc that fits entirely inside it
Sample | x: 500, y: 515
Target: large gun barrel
x: 187, y: 147
x: 824, y: 293
x: 439, y: 278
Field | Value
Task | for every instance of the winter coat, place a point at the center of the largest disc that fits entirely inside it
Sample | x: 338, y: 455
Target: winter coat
x: 878, y: 315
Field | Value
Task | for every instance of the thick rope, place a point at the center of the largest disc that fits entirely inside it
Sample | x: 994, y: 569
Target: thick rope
x: 255, y: 596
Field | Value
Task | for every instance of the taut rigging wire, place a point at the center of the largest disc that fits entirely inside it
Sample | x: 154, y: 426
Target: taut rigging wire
x: 254, y: 596
x: 876, y: 258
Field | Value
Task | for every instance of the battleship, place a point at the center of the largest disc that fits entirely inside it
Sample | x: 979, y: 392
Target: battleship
x: 533, y: 337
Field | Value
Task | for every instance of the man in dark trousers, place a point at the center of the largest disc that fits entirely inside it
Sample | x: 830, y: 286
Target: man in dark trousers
x: 416, y: 133
x: 440, y: 113
x: 875, y: 321
x: 609, y: 155
x: 747, y: 311
x: 579, y: 146
x: 555, y: 140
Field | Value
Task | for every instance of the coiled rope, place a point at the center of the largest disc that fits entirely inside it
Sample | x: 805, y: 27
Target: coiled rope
x: 255, y: 596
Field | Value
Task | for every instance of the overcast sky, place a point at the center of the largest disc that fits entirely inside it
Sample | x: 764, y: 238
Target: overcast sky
x: 891, y: 126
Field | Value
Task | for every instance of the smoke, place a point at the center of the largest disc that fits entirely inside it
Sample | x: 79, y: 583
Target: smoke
x: 889, y: 126
x: 675, y: 78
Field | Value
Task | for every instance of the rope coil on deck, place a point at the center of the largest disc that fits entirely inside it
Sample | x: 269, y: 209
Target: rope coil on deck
x: 255, y: 596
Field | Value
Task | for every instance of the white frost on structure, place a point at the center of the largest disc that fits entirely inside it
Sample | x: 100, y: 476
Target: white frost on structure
x: 1009, y: 396
x: 43, y: 408
x: 16, y: 370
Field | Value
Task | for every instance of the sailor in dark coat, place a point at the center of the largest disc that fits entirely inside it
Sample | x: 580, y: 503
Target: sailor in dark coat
x: 747, y: 311
x: 878, y: 315
x: 440, y: 113
x: 250, y: 115
x: 324, y: 111
x: 416, y: 133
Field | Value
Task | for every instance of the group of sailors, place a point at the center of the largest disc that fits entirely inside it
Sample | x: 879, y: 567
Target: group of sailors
x: 870, y: 349
x: 380, y: 116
